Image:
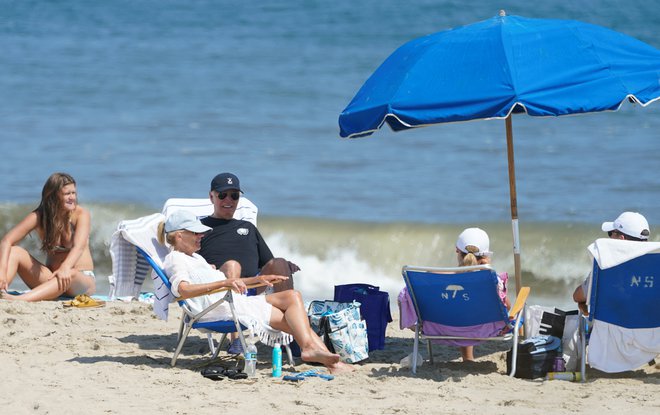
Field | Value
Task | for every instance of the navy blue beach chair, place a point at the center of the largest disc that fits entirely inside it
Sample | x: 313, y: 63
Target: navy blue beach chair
x: 461, y: 297
x: 624, y: 305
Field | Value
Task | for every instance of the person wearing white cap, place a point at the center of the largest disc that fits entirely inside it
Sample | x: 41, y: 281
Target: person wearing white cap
x: 472, y: 248
x: 192, y: 276
x: 629, y: 226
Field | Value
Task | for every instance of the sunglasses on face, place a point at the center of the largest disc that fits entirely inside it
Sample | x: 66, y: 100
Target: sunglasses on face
x: 233, y: 195
x: 610, y: 233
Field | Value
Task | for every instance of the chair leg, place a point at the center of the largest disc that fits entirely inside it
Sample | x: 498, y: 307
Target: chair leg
x: 182, y: 340
x: 429, y: 348
x: 290, y: 356
x: 514, y: 353
x: 209, y: 338
x: 582, y: 337
x: 217, y: 349
x: 222, y: 340
x: 415, y: 350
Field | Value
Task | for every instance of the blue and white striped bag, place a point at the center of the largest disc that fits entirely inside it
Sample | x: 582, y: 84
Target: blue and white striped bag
x: 341, y: 327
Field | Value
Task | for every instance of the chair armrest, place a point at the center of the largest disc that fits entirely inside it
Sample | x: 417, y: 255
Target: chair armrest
x: 259, y: 284
x: 520, y: 302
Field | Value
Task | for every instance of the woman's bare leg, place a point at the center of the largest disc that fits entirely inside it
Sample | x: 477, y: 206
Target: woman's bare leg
x: 31, y: 271
x: 39, y: 279
x: 289, y: 315
x: 50, y: 290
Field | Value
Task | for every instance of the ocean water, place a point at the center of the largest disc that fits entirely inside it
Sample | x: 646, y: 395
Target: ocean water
x: 146, y: 100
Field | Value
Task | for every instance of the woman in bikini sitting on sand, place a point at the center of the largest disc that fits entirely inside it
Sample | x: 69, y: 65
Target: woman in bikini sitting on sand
x: 192, y: 276
x: 63, y: 227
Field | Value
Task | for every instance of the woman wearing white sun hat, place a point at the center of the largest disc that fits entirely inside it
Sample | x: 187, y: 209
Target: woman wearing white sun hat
x: 192, y: 276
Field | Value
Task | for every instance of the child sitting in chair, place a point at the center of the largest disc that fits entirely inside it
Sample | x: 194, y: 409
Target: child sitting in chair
x: 472, y: 248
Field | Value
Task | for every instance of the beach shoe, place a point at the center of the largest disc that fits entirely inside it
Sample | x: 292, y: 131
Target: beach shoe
x: 84, y: 301
x: 313, y: 373
x: 235, y: 347
x: 214, y: 372
x: 219, y: 373
x: 235, y: 374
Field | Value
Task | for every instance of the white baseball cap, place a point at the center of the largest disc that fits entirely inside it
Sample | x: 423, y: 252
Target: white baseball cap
x: 476, y: 240
x: 183, y: 219
x: 630, y: 223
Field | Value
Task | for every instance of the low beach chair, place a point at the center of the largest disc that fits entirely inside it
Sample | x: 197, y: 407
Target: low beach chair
x: 190, y: 320
x: 136, y: 254
x: 624, y: 307
x: 457, y: 298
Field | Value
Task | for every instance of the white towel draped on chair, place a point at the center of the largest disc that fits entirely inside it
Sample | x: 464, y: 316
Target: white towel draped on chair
x: 614, y: 348
x: 129, y: 270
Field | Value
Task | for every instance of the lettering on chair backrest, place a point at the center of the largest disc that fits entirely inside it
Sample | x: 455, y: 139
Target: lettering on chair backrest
x: 642, y: 281
x: 453, y: 291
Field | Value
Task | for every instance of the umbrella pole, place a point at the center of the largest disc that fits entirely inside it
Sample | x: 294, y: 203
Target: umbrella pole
x: 514, y: 203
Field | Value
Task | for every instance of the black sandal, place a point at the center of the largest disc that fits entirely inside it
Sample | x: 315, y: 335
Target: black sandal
x: 214, y: 372
x: 235, y: 374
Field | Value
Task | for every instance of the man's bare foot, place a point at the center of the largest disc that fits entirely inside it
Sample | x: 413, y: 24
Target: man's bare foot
x: 339, y: 368
x: 319, y: 356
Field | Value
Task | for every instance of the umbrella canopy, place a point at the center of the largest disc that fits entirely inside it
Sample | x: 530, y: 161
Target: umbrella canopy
x: 500, y: 66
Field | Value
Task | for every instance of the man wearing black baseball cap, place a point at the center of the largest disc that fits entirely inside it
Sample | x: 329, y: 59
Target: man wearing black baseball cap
x: 239, y: 240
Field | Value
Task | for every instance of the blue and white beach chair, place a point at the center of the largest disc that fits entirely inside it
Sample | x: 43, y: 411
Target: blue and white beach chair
x: 136, y: 254
x: 190, y: 320
x: 461, y: 297
x: 624, y: 306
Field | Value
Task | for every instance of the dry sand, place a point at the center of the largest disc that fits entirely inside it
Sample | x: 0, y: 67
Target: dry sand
x: 115, y: 360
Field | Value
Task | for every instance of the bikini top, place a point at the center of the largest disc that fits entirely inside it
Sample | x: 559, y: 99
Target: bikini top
x: 61, y: 248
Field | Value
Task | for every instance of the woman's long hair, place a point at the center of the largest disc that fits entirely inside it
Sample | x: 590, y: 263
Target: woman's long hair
x: 50, y: 216
x: 471, y: 259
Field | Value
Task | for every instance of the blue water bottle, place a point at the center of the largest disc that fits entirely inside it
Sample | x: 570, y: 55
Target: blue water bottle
x: 277, y: 360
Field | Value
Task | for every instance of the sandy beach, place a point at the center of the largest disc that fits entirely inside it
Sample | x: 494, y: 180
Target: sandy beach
x: 115, y: 360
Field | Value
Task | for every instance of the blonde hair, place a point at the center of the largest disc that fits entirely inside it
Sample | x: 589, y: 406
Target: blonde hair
x: 165, y: 236
x: 470, y: 259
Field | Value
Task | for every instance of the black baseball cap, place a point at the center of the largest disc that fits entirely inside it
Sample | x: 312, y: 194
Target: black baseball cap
x: 225, y: 181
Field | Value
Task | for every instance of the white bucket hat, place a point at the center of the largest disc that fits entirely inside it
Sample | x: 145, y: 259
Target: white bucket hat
x: 183, y: 219
x: 630, y: 223
x: 476, y: 239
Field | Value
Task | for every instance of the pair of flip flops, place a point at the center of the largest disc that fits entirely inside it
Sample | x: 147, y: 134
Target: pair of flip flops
x: 307, y: 374
x: 219, y: 373
x: 84, y: 301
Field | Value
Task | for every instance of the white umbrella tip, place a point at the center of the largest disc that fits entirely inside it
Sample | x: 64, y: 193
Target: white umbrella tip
x: 502, y: 13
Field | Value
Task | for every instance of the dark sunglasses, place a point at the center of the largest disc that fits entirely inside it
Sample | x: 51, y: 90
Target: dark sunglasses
x: 233, y: 195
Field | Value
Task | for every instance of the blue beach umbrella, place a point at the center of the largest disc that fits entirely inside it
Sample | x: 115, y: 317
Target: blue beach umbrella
x: 501, y: 66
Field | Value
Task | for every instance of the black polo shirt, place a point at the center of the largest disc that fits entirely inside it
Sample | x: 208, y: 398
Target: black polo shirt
x: 235, y: 239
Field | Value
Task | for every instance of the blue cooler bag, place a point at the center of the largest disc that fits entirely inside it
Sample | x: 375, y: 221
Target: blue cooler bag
x: 374, y: 308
